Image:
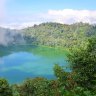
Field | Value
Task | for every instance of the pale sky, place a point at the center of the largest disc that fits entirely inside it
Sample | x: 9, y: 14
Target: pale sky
x: 23, y: 13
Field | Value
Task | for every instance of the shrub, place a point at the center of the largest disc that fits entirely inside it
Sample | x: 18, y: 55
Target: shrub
x: 5, y: 89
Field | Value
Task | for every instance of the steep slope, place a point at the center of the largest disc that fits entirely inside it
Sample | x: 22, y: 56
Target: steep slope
x: 55, y: 34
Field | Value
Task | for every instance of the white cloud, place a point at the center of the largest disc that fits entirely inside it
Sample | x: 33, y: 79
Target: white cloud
x: 71, y: 16
x: 66, y: 16
x: 19, y: 25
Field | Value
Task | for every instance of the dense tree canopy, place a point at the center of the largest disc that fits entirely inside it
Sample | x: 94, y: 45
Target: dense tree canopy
x: 5, y: 89
x: 63, y: 35
x: 83, y: 64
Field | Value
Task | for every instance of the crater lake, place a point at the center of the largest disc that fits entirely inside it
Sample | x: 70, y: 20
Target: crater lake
x: 18, y: 62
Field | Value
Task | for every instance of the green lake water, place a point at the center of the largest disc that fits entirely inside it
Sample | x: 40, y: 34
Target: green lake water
x: 18, y: 62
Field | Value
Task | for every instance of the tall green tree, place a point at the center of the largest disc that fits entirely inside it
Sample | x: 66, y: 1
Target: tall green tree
x: 83, y: 64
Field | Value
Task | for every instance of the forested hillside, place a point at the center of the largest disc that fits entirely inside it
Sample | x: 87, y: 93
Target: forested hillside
x: 50, y: 34
x: 63, y: 35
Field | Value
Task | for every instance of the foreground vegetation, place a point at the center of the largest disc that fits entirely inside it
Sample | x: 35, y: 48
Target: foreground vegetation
x: 81, y: 81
